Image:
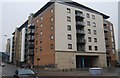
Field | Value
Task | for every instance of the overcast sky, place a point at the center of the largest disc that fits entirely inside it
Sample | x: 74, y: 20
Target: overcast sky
x: 13, y: 13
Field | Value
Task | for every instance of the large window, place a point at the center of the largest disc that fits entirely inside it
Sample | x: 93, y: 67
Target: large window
x: 41, y: 18
x: 68, y: 10
x: 89, y: 39
x: 51, y: 19
x: 89, y: 31
x: 95, y: 39
x: 69, y: 46
x: 93, y: 16
x: 90, y: 47
x: 94, y: 24
x: 40, y: 33
x: 94, y: 32
x: 51, y: 46
x: 87, y: 15
x: 88, y: 23
x: 68, y: 27
x: 51, y: 37
x: 41, y: 25
x: 68, y: 19
x: 96, y: 48
x: 36, y: 49
x: 69, y: 37
x: 51, y: 10
x: 51, y: 28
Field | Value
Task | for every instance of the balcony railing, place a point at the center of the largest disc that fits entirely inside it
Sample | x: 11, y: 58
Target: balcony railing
x: 81, y: 31
x: 80, y: 15
x: 81, y: 41
x: 105, y: 29
x: 105, y: 22
x: 80, y: 23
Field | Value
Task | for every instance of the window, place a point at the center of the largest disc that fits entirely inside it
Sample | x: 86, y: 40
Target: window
x: 37, y: 21
x: 90, y: 47
x: 111, y: 33
x: 94, y: 24
x: 36, y: 34
x: 41, y: 25
x: 51, y: 10
x: 40, y: 48
x: 89, y: 39
x: 51, y: 37
x: 68, y: 27
x: 88, y: 15
x: 94, y: 32
x: 41, y: 18
x: 95, y: 39
x: 36, y: 28
x: 40, y: 32
x: 69, y: 37
x: 51, y: 46
x: 69, y: 46
x: 51, y: 28
x: 68, y: 19
x: 36, y: 49
x: 93, y: 16
x: 40, y: 41
x: 36, y: 42
x: 68, y: 10
x: 113, y: 45
x: 111, y: 28
x: 113, y: 50
x: 88, y: 23
x: 51, y: 19
x: 96, y: 48
x: 89, y: 31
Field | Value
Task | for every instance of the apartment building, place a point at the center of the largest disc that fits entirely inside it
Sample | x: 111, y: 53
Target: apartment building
x: 110, y: 43
x: 17, y: 53
x: 69, y: 35
x: 65, y: 35
x: 8, y: 46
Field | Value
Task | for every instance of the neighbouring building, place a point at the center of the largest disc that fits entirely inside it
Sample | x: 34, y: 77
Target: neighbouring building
x: 66, y: 35
x: 18, y: 51
x: 110, y: 43
x: 8, y: 46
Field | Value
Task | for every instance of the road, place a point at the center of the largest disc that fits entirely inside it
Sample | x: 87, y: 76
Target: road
x: 8, y: 70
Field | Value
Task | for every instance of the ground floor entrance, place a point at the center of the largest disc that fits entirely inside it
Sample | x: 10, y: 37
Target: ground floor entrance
x: 85, y: 61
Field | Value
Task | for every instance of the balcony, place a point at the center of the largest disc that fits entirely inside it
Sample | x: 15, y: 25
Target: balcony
x: 81, y: 41
x: 82, y: 32
x: 105, y: 30
x: 80, y: 47
x: 105, y: 22
x: 31, y: 46
x: 31, y: 54
x: 31, y: 26
x: 80, y: 24
x: 31, y: 32
x: 79, y: 16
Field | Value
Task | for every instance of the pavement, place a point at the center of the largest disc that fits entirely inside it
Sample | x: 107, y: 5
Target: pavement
x: 9, y: 70
x: 107, y: 73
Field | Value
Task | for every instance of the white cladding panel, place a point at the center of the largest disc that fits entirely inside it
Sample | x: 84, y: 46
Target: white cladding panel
x: 61, y: 40
x: 23, y: 45
x: 10, y: 58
